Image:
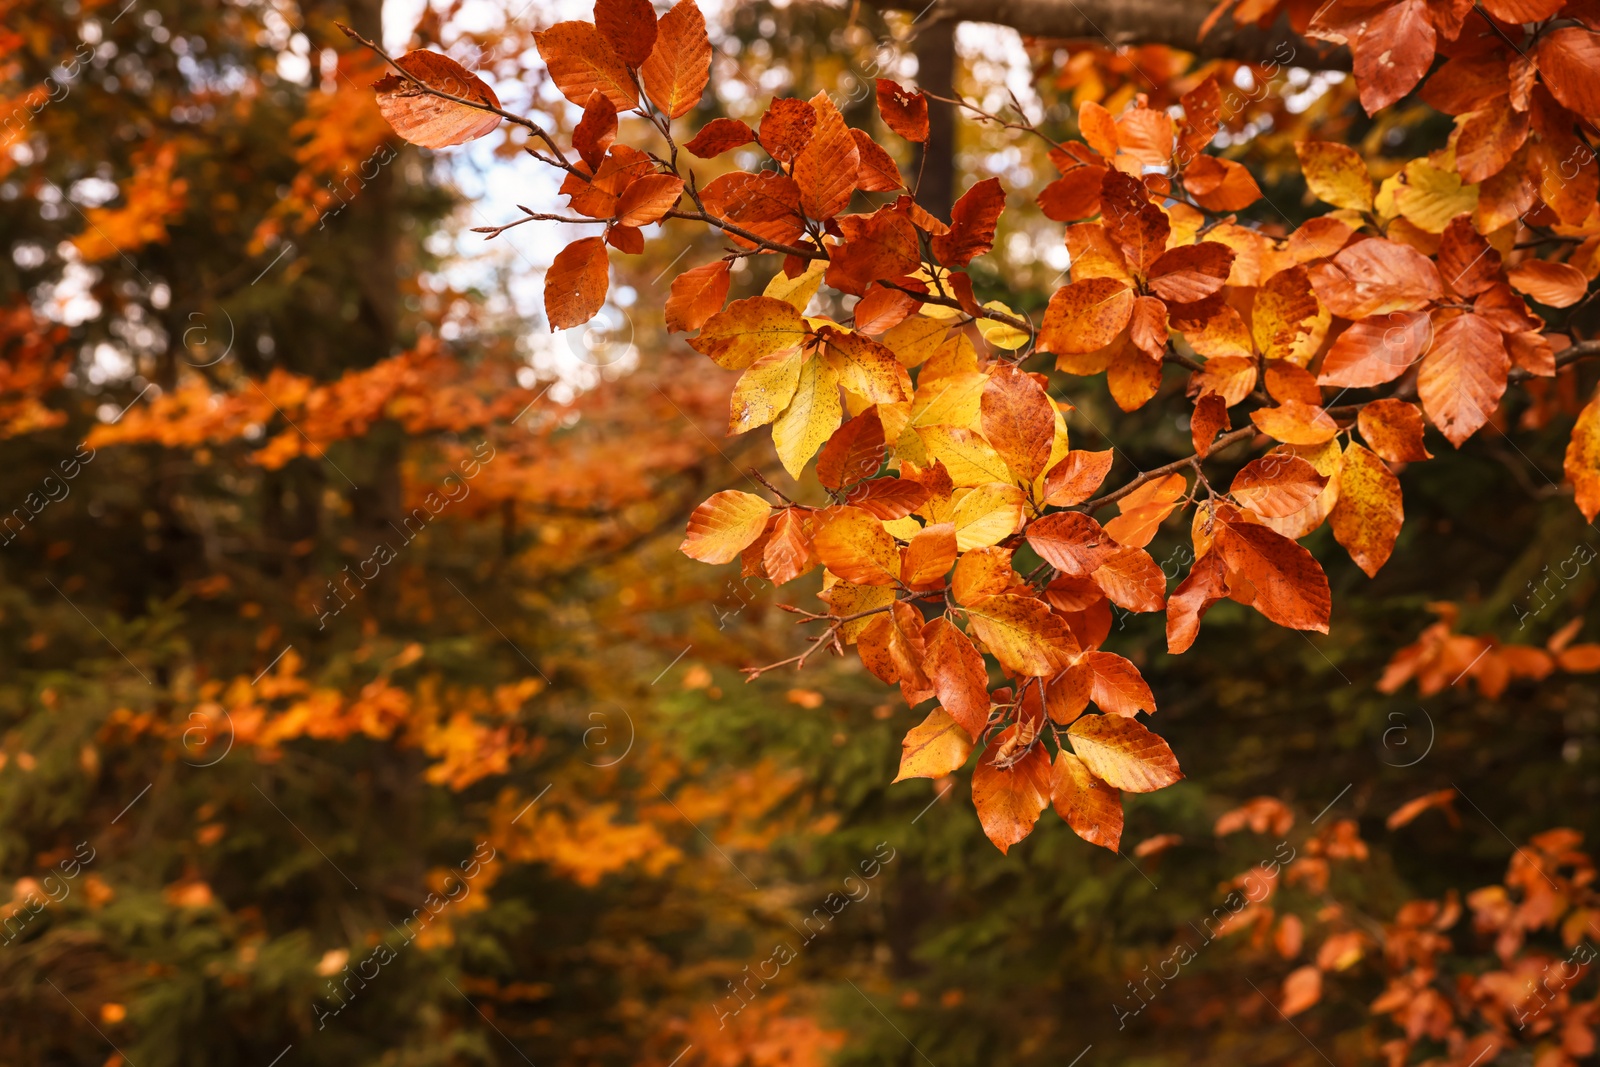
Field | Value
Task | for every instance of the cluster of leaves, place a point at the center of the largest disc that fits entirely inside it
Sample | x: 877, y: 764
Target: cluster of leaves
x: 942, y: 464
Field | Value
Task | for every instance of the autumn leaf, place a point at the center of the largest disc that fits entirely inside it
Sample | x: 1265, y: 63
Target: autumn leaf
x: 749, y: 329
x: 1076, y: 477
x: 1289, y: 586
x: 1301, y: 990
x: 1394, y: 429
x: 1209, y: 419
x: 647, y: 199
x: 1189, y: 273
x: 1393, y: 53
x: 904, y: 113
x: 958, y: 674
x: 1377, y: 350
x: 1582, y: 463
x: 1072, y: 542
x: 1010, y: 799
x: 865, y: 367
x: 1023, y: 634
x: 431, y: 121
x: 1557, y: 285
x: 764, y: 390
x: 1145, y: 508
x: 1368, y: 516
x: 719, y: 136
x: 1275, y: 486
x: 1123, y: 753
x: 788, y: 553
x: 697, y: 294
x: 1086, y: 315
x: 787, y: 127
x: 1377, y: 276
x: 1018, y: 420
x: 721, y: 527
x: 929, y: 556
x: 972, y: 224
x: 1335, y: 174
x: 936, y: 747
x: 854, y: 545
x: 825, y: 169
x: 576, y: 283
x: 679, y: 66
x: 1205, y: 584
x: 1115, y: 684
x: 811, y: 417
x: 1464, y: 375
x: 581, y: 61
x: 1091, y: 807
x: 629, y: 27
x: 1568, y: 59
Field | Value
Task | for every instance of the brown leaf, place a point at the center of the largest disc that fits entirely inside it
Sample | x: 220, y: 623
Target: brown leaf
x: 1377, y: 350
x: 1393, y: 53
x: 428, y: 120
x: 647, y: 199
x: 787, y: 127
x: 906, y: 113
x: 854, y: 452
x: 1209, y: 419
x: 1393, y: 429
x: 596, y: 130
x: 1568, y: 59
x: 877, y: 172
x: 576, y: 283
x: 629, y: 26
x: 972, y: 224
x: 679, y: 66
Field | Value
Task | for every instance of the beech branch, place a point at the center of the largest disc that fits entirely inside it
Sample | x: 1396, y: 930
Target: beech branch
x: 1122, y: 24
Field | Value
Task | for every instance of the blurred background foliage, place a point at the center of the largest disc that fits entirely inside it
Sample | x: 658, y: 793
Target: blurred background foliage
x: 509, y: 799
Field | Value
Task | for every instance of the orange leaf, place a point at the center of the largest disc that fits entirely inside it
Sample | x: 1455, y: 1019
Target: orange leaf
x: 788, y: 552
x: 1369, y: 514
x: 1393, y: 429
x: 1377, y: 276
x: 1191, y: 272
x: 697, y: 294
x: 1568, y: 60
x: 648, y: 198
x: 1085, y: 316
x: 1277, y: 485
x: 1289, y: 587
x: 1393, y: 54
x: 1132, y: 581
x: 1023, y: 634
x: 1145, y: 509
x: 1075, y: 478
x: 855, y: 546
x: 428, y: 120
x: 787, y: 127
x: 576, y: 283
x: 1209, y: 419
x: 581, y: 61
x: 721, y: 527
x: 1582, y: 463
x: 877, y: 172
x: 1072, y: 542
x: 1303, y: 987
x: 1557, y: 285
x: 1464, y: 376
x: 1018, y: 420
x: 719, y: 136
x: 679, y: 66
x: 1221, y: 184
x: 929, y: 556
x: 854, y: 452
x: 1206, y: 583
x: 1116, y: 685
x: 1376, y: 350
x: 1124, y: 753
x: 596, y: 130
x: 1091, y: 807
x: 826, y: 168
x: 1010, y: 799
x: 1295, y: 423
x: 958, y: 674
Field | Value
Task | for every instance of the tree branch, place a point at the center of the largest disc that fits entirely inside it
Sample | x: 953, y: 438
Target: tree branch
x: 1125, y: 23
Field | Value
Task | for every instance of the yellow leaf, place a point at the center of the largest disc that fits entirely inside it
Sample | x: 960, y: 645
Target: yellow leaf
x: 935, y: 748
x: 969, y: 459
x: 748, y: 329
x: 797, y: 292
x: 724, y: 525
x: 810, y: 418
x: 763, y: 391
x: 1023, y: 634
x: 1000, y: 334
x: 1336, y: 174
x: 1432, y: 197
x: 987, y: 515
